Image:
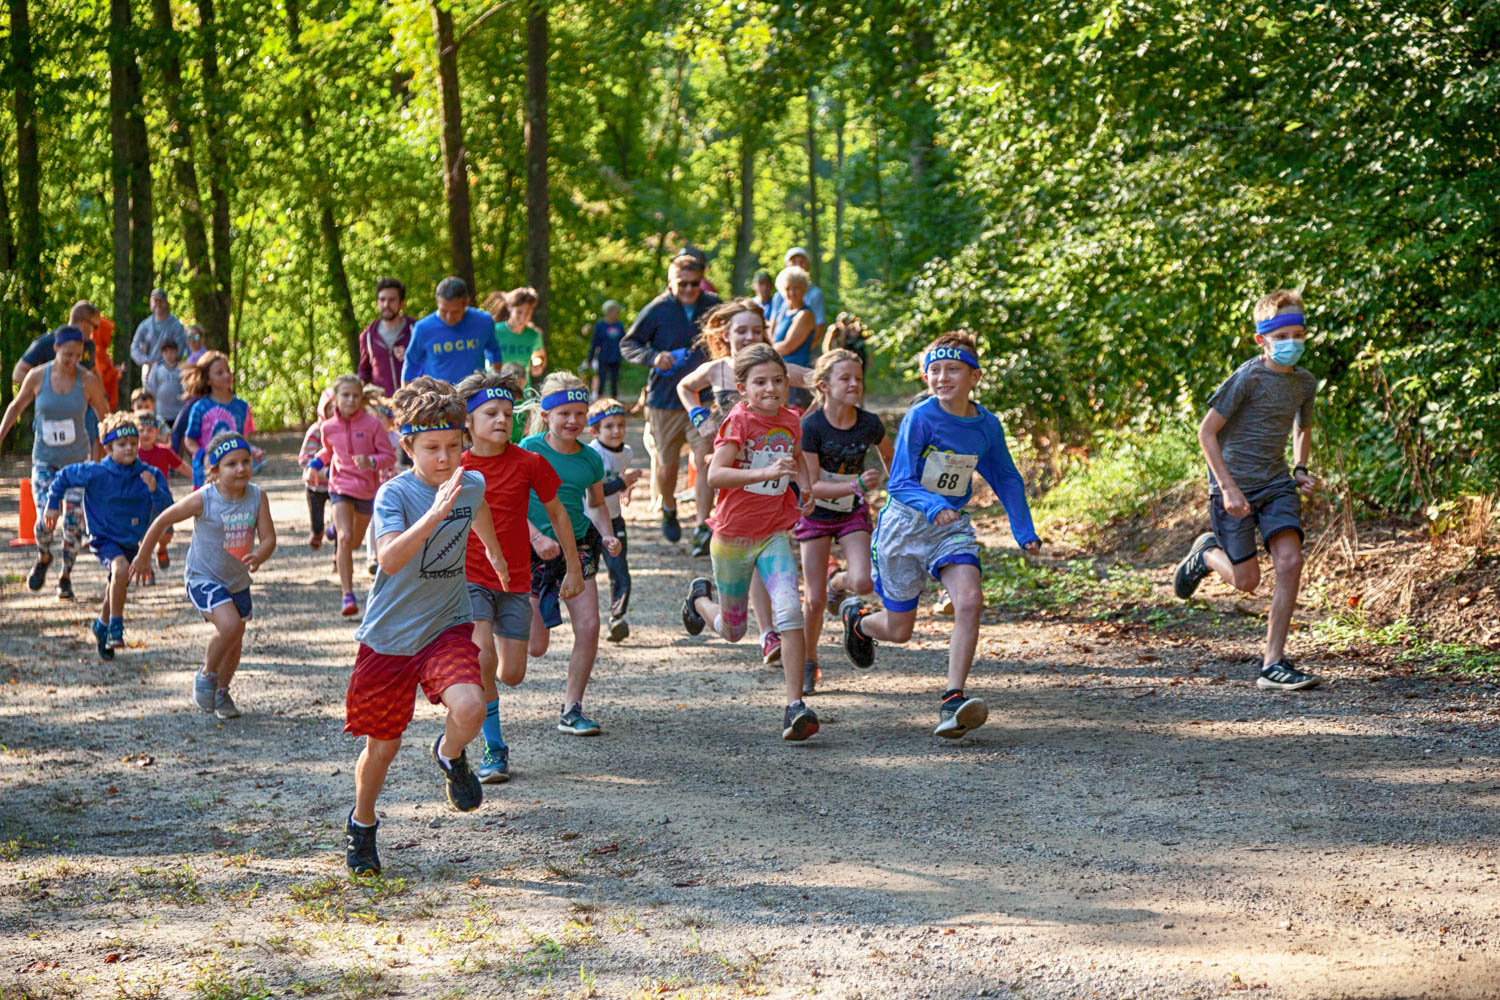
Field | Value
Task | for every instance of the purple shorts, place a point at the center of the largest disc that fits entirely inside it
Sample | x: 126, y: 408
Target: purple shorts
x: 809, y: 528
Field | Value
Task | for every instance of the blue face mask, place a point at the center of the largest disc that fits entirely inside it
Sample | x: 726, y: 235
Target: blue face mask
x: 1287, y: 352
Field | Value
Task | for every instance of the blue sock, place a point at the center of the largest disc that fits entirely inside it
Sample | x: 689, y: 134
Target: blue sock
x: 492, y: 724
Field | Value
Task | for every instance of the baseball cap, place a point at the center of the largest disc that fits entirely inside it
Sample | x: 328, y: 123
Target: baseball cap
x: 795, y: 252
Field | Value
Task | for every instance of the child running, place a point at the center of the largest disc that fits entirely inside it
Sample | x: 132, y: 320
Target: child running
x: 315, y: 480
x: 1244, y: 437
x: 502, y: 612
x: 418, y: 628
x: 232, y: 537
x: 120, y: 495
x: 836, y: 436
x: 355, y: 449
x: 728, y: 329
x: 607, y: 422
x: 554, y: 435
x: 756, y: 458
x: 925, y: 531
x: 165, y: 461
x: 216, y: 409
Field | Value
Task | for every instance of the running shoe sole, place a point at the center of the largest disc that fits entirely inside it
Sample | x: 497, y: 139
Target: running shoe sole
x: 970, y: 716
x: 692, y: 621
x: 804, y: 725
x: 1266, y: 684
x: 774, y: 656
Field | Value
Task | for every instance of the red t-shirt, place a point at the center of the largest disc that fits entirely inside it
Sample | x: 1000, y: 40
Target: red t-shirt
x: 759, y: 509
x: 509, y: 480
x: 161, y: 458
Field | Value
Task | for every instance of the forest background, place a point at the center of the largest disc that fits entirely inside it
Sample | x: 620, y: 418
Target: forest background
x: 1099, y: 190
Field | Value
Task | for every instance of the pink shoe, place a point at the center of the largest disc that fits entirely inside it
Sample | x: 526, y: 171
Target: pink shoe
x: 351, y: 606
x: 770, y: 648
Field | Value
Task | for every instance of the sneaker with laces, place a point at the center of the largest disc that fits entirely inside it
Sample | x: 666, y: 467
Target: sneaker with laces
x: 351, y: 606
x: 204, y: 686
x: 859, y: 648
x: 1283, y: 675
x: 702, y: 536
x: 575, y: 723
x: 315, y: 540
x: 64, y: 588
x: 38, y: 575
x: 943, y: 605
x: 224, y: 706
x: 671, y: 530
x: 162, y: 559
x: 117, y: 635
x: 619, y: 630
x: 770, y: 648
x: 810, y: 677
x: 692, y: 621
x: 101, y: 640
x: 798, y: 723
x: 359, y: 847
x: 494, y: 765
x: 959, y: 715
x: 1193, y: 569
x: 464, y: 793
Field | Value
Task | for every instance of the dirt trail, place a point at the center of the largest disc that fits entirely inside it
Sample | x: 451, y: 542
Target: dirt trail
x: 1135, y: 821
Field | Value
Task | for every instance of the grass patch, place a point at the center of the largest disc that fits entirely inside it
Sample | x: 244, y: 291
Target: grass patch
x: 1347, y: 629
x: 1015, y: 584
x: 213, y: 983
x: 1126, y: 471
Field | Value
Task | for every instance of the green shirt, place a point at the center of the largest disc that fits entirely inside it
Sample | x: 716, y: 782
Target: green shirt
x: 517, y: 348
x: 577, y: 471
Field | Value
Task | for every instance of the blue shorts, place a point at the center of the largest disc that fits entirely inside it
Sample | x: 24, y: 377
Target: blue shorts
x: 907, y: 548
x: 207, y: 596
x: 365, y: 507
x: 106, y: 550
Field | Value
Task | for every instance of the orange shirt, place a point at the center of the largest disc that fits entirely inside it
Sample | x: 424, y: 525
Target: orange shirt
x: 104, y: 333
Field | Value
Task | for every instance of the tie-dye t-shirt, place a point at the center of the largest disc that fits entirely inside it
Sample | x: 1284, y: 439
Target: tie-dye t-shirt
x: 207, y: 418
x: 763, y: 508
x: 223, y: 535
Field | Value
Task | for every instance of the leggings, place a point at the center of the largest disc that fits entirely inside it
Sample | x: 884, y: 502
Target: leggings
x: 609, y: 378
x: 317, y: 500
x: 735, y: 560
x: 619, y: 575
x: 42, y: 475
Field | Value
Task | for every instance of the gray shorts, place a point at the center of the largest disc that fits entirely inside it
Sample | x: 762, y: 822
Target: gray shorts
x: 508, y: 614
x: 907, y: 549
x: 1273, y: 509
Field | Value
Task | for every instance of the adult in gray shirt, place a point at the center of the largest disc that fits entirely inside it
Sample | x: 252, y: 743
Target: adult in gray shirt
x: 155, y: 330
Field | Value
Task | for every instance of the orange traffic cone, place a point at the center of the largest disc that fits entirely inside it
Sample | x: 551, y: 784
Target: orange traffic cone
x: 28, y: 518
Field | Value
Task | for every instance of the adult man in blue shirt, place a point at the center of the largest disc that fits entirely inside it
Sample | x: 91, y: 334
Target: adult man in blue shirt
x: 662, y: 337
x: 797, y: 257
x: 453, y: 341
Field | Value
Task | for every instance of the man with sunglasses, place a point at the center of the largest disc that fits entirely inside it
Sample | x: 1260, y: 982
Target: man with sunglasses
x: 662, y: 337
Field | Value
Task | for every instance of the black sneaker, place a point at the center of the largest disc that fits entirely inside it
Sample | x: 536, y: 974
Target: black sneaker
x: 464, y: 793
x: 64, y: 588
x: 38, y: 574
x: 670, y: 529
x: 1283, y: 675
x: 701, y: 586
x: 701, y: 537
x: 959, y: 715
x: 619, y: 630
x: 1192, y: 570
x: 101, y: 639
x: 859, y: 648
x: 810, y: 677
x: 799, y: 723
x: 359, y: 847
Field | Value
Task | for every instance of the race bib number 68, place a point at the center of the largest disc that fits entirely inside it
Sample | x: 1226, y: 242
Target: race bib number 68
x: 948, y: 474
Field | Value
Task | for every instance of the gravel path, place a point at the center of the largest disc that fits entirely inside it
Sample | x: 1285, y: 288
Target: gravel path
x: 1135, y: 821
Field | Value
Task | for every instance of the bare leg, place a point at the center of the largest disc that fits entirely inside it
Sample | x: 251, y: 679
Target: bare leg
x: 760, y: 603
x: 369, y: 776
x: 1286, y: 556
x: 343, y: 524
x: 541, y: 636
x: 223, y: 655
x: 512, y: 661
x: 114, y: 594
x: 1243, y: 576
x: 963, y: 585
x: 465, y: 704
x: 702, y: 495
x: 793, y: 650
x: 815, y: 599
x: 484, y: 638
x: 583, y: 615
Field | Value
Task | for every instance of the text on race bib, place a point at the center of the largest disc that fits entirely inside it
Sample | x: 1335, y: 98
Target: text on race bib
x: 948, y: 474
x: 843, y: 504
x: 59, y: 432
x: 763, y: 458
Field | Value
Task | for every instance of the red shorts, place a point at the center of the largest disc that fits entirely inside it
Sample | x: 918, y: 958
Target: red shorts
x: 382, y: 690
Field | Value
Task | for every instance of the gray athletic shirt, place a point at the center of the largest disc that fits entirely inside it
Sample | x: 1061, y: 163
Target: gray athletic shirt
x: 222, y: 534
x: 60, y: 420
x: 1259, y: 408
x: 165, y: 386
x: 409, y: 609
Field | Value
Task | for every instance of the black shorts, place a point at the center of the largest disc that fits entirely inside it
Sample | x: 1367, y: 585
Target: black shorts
x: 547, y: 575
x: 361, y: 506
x: 1273, y: 509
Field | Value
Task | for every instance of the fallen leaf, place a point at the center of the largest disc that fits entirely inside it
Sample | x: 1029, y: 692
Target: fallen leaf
x: 606, y: 849
x: 112, y: 957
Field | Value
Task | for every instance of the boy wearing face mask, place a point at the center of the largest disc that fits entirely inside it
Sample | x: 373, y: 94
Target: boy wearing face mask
x: 1244, y: 437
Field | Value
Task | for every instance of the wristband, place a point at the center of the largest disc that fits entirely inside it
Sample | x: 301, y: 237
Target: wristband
x: 858, y: 487
x: 1300, y: 468
x: 697, y: 415
x: 316, y: 464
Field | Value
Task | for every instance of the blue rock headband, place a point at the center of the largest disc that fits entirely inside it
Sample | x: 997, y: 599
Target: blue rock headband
x: 485, y: 395
x: 1277, y: 322
x: 223, y: 448
x: 122, y: 431
x: 66, y: 334
x: 613, y: 411
x: 950, y: 354
x: 409, y: 429
x: 563, y: 398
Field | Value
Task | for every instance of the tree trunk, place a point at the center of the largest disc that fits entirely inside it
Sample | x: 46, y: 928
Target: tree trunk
x: 28, y: 253
x: 538, y: 221
x: 885, y: 229
x: 814, y: 248
x: 7, y: 238
x: 218, y: 156
x: 455, y: 157
x: 923, y: 121
x: 130, y: 177
x: 333, y: 251
x: 831, y: 293
x: 655, y: 157
x: 200, y: 277
x: 744, y: 264
x: 12, y: 333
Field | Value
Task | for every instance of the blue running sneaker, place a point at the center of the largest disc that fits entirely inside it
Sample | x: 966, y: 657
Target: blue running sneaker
x: 117, y: 635
x: 359, y: 847
x: 203, y: 690
x: 671, y: 530
x: 101, y: 640
x: 494, y: 765
x: 575, y: 723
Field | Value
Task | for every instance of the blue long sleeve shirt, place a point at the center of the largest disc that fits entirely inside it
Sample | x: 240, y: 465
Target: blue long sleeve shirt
x: 451, y: 353
x: 937, y: 455
x: 116, y: 503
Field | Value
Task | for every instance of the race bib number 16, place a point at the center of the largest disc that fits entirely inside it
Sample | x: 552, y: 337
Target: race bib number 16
x: 59, y: 432
x: 948, y: 474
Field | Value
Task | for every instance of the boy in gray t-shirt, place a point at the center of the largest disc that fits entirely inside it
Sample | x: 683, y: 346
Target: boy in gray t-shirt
x: 1250, y: 488
x: 418, y: 627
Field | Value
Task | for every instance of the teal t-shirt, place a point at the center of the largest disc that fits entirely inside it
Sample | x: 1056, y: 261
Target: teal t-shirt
x: 517, y: 348
x: 577, y: 471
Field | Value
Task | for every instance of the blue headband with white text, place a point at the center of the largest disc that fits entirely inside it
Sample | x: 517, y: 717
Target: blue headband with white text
x: 122, y: 431
x: 407, y: 430
x: 1277, y: 322
x: 564, y: 397
x: 950, y: 354
x: 485, y: 395
x: 65, y: 335
x: 223, y: 448
x: 613, y: 411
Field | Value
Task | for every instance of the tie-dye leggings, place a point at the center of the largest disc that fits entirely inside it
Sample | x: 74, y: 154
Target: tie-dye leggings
x: 42, y: 475
x: 735, y: 560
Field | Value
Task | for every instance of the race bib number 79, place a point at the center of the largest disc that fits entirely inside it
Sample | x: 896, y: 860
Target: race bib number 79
x: 763, y: 458
x: 948, y: 474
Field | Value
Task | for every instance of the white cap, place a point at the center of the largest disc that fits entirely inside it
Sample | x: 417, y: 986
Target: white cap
x: 795, y: 252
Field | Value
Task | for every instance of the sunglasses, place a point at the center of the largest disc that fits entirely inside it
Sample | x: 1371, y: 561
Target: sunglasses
x: 690, y: 284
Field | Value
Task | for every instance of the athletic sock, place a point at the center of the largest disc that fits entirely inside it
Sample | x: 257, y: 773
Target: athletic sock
x: 446, y: 762
x: 491, y: 728
x: 952, y: 692
x: 362, y: 826
x: 117, y: 622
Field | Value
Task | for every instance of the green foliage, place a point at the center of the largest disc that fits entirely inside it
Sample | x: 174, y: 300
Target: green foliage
x: 1349, y: 628
x: 1122, y: 476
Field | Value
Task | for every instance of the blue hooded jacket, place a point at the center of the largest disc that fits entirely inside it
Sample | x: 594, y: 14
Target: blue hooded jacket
x: 116, y: 503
